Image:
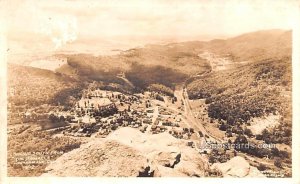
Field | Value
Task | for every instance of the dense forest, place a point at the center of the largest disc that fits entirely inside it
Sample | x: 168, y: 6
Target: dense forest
x: 33, y: 87
x: 255, y: 90
x: 36, y: 141
x: 142, y: 76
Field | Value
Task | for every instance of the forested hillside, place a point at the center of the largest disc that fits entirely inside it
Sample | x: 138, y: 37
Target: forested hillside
x: 163, y: 64
x: 254, y: 46
x: 254, y: 90
x: 32, y: 88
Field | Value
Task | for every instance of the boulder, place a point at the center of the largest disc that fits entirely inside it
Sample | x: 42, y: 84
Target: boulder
x: 191, y: 164
x: 107, y: 158
x: 237, y: 167
x: 128, y: 152
x: 166, y: 158
x: 162, y: 171
x: 254, y: 172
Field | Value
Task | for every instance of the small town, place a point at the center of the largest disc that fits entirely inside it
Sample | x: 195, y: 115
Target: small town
x: 99, y: 112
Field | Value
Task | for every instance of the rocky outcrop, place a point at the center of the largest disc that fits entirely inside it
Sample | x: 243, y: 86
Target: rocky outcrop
x: 128, y: 152
x: 166, y: 158
x: 237, y: 167
x: 99, y: 158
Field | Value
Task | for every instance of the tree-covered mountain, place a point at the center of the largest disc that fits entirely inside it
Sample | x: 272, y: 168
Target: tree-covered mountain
x: 258, y: 88
x: 255, y: 46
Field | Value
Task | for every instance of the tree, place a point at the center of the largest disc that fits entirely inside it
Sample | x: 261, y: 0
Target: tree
x: 61, y: 118
x: 213, y: 156
x: 258, y: 137
x: 262, y: 152
x: 278, y: 162
x: 212, y: 159
x: 223, y: 158
x: 241, y: 143
x: 191, y: 130
x: 208, y: 100
x: 265, y: 134
x: 53, y: 118
x: 248, y: 132
x: 262, y: 167
x: 230, y: 120
x: 283, y: 154
x: 160, y: 98
x: 200, y: 133
x: 287, y: 132
x: 275, y: 152
x: 223, y: 127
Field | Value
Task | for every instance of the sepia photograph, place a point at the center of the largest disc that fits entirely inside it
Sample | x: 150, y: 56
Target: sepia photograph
x: 164, y: 89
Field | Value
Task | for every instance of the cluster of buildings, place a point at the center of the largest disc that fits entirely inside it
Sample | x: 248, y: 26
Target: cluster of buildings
x: 100, y: 112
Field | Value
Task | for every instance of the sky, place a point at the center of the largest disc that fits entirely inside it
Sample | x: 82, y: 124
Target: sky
x: 41, y: 26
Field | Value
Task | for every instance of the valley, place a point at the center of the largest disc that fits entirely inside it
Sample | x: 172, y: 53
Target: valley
x: 218, y: 102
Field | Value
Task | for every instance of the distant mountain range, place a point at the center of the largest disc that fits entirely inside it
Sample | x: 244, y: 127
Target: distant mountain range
x: 173, y: 63
x: 179, y: 61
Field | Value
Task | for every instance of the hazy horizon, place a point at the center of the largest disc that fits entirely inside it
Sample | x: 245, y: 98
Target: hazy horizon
x: 45, y: 27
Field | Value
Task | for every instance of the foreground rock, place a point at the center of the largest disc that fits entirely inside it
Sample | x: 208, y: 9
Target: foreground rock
x: 128, y: 152
x: 99, y: 158
x: 237, y: 167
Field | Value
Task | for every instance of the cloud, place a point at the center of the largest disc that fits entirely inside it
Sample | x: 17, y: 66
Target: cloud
x: 28, y: 19
x: 61, y: 29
